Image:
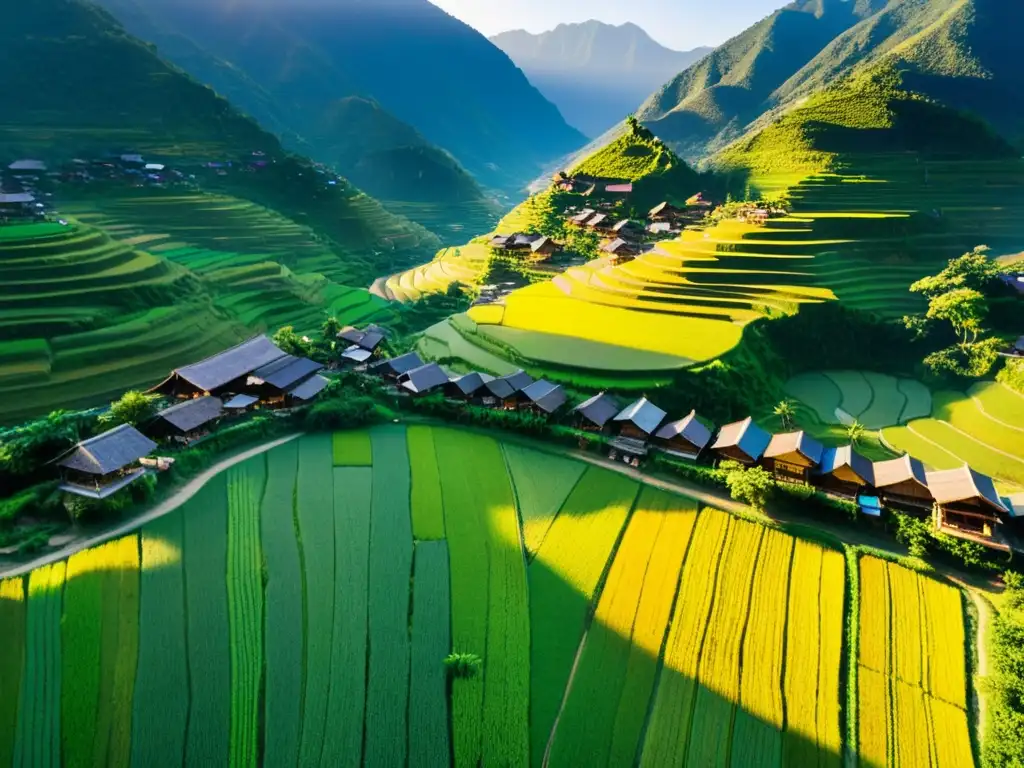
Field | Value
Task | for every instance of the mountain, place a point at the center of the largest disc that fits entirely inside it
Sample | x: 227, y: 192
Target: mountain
x: 293, y: 64
x: 595, y: 73
x: 956, y: 52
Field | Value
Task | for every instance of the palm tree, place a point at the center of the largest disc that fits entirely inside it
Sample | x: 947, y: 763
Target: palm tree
x: 785, y: 411
x: 855, y: 432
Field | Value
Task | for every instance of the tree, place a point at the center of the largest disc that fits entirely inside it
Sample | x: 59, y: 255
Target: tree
x: 752, y: 486
x: 974, y: 270
x: 331, y: 328
x: 464, y: 665
x: 969, y: 360
x: 855, y: 432
x: 135, y: 408
x: 963, y: 308
x: 290, y: 342
x: 785, y: 411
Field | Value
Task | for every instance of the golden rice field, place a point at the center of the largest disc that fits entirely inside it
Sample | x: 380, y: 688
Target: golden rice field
x: 298, y: 609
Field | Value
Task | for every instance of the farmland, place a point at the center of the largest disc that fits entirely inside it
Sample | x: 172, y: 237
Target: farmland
x: 298, y: 609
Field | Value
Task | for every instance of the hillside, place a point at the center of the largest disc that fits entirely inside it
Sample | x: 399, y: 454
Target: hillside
x: 419, y: 64
x: 952, y: 51
x: 595, y: 73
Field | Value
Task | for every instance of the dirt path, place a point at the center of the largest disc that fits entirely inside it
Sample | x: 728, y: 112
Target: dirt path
x: 168, y: 505
x: 981, y: 673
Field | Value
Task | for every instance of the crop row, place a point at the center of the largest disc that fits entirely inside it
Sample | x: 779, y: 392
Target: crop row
x: 542, y: 482
x: 427, y: 507
x: 12, y: 659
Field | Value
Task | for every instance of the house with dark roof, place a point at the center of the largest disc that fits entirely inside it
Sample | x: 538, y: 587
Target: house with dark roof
x: 844, y: 472
x: 187, y: 421
x: 742, y: 441
x: 274, y: 381
x: 792, y: 457
x: 596, y: 414
x: 685, y: 438
x: 356, y: 355
x: 636, y: 424
x: 599, y: 222
x: 306, y: 390
x: 101, y: 466
x: 620, y: 251
x: 628, y: 229
x: 665, y: 212
x: 468, y: 387
x: 542, y: 397
x: 504, y: 392
x: 968, y: 506
x: 368, y: 340
x: 583, y: 216
x: 543, y: 248
x: 394, y: 367
x: 903, y: 483
x: 224, y: 372
x: 423, y: 380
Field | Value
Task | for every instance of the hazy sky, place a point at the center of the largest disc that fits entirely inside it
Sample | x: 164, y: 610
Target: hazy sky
x: 679, y: 24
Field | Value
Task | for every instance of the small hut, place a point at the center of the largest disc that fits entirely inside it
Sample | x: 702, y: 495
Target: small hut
x: 394, y: 367
x: 636, y: 425
x: 188, y: 421
x: 903, y: 483
x: 685, y: 438
x: 595, y: 414
x: 793, y: 456
x: 467, y: 387
x: 664, y: 212
x: 742, y: 441
x: 423, y: 380
x: 307, y: 391
x: 273, y: 382
x: 226, y: 372
x: 844, y: 472
x: 542, y: 397
x: 103, y: 465
x: 967, y: 505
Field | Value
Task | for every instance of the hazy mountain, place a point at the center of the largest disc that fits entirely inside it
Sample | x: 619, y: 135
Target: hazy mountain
x: 420, y: 66
x: 595, y: 73
x: 957, y: 52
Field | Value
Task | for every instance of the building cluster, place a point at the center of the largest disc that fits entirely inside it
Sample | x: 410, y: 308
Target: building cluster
x: 961, y: 502
x: 533, y: 247
x: 256, y: 374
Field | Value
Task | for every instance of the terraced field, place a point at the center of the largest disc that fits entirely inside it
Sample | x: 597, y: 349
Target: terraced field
x: 298, y: 610
x: 465, y: 264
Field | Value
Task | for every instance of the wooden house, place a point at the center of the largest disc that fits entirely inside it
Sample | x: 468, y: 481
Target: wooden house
x: 685, y: 438
x: 583, y: 217
x: 542, y: 398
x: 504, y: 392
x: 468, y: 387
x: 600, y: 222
x: 620, y: 251
x: 792, y: 457
x: 103, y: 465
x: 423, y: 380
x: 635, y: 425
x: 596, y: 414
x: 627, y: 229
x: 968, y: 506
x: 742, y: 441
x: 306, y: 391
x: 274, y: 382
x: 844, y: 472
x: 226, y: 372
x: 394, y: 367
x: 543, y: 248
x: 187, y: 421
x: 369, y: 340
x: 903, y: 483
x: 664, y: 212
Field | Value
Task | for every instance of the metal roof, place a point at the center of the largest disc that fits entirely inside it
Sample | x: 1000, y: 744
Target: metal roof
x: 545, y: 395
x: 357, y: 354
x: 898, y: 471
x: 109, y: 452
x: 795, y: 442
x: 17, y: 197
x: 690, y: 429
x: 424, y: 379
x: 746, y: 436
x: 193, y: 414
x: 500, y: 388
x: 368, y: 339
x: 310, y: 388
x: 239, y: 402
x: 231, y: 364
x: 471, y: 382
x: 399, y: 365
x: 519, y: 380
x: 845, y: 456
x: 599, y: 410
x: 964, y: 484
x: 643, y: 414
x: 287, y: 371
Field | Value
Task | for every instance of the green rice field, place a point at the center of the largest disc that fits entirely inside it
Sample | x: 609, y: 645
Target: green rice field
x: 298, y: 610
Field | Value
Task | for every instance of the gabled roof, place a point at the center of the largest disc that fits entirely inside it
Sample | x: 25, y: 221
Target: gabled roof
x: 625, y: 224
x: 424, y: 379
x: 500, y: 241
x: 643, y: 414
x: 500, y: 388
x: 240, y: 402
x: 540, y: 242
x: 690, y: 429
x: 596, y: 219
x: 471, y: 382
x: 108, y: 452
x: 661, y: 208
x: 746, y: 436
x: 356, y: 354
x: 525, y: 241
x: 616, y: 246
x: 193, y: 414
x: 582, y: 216
x: 287, y: 371
x: 398, y: 365
x: 795, y: 442
x: 368, y: 339
x: 599, y: 410
x: 845, y: 456
x: 545, y: 395
x: 964, y: 484
x: 896, y: 471
x: 519, y: 380
x: 310, y: 388
x: 231, y: 364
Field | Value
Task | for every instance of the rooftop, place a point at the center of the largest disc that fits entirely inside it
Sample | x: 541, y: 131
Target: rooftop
x: 896, y: 471
x: 545, y: 395
x: 424, y: 379
x: 108, y: 452
x: 643, y: 414
x: 471, y: 382
x: 964, y: 484
x: 689, y: 428
x: 836, y: 458
x: 600, y: 409
x: 795, y: 442
x: 399, y: 365
x: 310, y: 388
x: 231, y: 364
x: 286, y: 371
x: 746, y: 436
x: 193, y: 414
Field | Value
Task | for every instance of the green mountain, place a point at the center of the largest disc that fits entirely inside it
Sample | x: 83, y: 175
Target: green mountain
x: 955, y: 52
x: 421, y: 67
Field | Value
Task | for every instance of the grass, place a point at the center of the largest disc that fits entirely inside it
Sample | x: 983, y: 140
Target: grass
x: 161, y: 683
x: 315, y: 518
x: 427, y: 505
x: 12, y: 659
x: 283, y: 610
x: 352, y: 449
x: 390, y: 565
x: 245, y: 487
x: 431, y: 641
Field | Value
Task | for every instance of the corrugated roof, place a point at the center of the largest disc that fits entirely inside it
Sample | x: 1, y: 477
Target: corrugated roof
x: 545, y: 395
x: 898, y: 471
x: 964, y: 484
x: 795, y: 442
x: 689, y: 428
x: 310, y: 388
x: 600, y: 409
x: 231, y: 364
x: 399, y: 365
x: 644, y: 415
x: 471, y: 382
x: 746, y: 436
x: 424, y: 379
x: 193, y: 414
x: 845, y: 456
x: 109, y: 452
x: 287, y: 371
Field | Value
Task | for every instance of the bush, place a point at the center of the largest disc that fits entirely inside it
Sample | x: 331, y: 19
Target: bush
x: 464, y: 665
x: 342, y: 413
x: 753, y: 486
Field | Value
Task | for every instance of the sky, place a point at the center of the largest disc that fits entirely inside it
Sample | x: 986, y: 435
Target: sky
x: 679, y: 24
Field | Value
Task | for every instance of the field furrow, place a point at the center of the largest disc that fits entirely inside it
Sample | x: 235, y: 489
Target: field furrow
x: 12, y: 662
x: 803, y: 643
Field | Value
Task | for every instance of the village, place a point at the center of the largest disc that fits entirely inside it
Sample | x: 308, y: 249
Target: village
x: 258, y: 375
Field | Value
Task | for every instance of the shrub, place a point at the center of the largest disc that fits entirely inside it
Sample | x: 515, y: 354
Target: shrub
x: 463, y: 665
x: 751, y: 486
x: 133, y: 408
x: 342, y: 413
